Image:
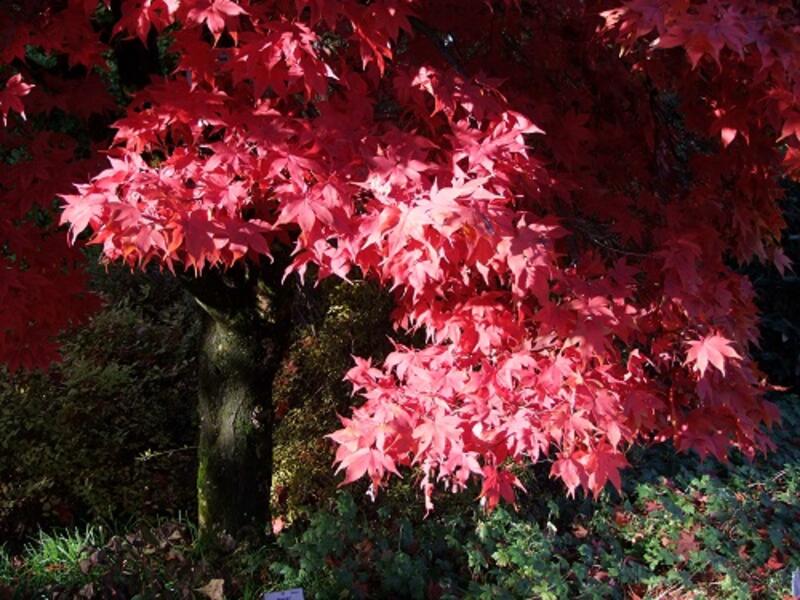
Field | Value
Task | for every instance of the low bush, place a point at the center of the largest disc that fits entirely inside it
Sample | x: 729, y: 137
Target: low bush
x: 334, y: 323
x: 108, y: 433
x: 680, y: 529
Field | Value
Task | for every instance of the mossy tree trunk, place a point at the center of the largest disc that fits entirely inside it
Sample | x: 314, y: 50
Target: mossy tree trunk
x: 245, y: 335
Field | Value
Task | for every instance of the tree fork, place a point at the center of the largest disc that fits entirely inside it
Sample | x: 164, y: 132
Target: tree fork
x: 245, y: 334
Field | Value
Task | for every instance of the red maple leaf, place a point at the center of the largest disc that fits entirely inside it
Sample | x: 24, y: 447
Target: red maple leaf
x: 10, y: 97
x: 791, y: 126
x: 215, y: 14
x: 712, y: 349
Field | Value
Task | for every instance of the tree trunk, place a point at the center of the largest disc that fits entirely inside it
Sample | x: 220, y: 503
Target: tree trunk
x: 244, y: 337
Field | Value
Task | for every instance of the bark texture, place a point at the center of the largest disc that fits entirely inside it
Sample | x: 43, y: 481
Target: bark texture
x: 246, y: 331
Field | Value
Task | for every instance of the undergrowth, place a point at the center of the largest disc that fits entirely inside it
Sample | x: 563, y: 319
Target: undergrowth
x: 681, y: 528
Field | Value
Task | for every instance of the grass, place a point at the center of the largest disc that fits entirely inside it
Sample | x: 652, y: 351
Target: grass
x: 52, y: 558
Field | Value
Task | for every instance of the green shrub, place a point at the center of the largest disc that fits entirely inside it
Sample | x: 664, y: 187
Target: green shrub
x: 681, y: 528
x: 100, y: 434
x: 336, y: 322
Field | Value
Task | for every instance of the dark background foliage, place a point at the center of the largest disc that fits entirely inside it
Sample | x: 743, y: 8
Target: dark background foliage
x: 778, y: 296
x: 101, y: 435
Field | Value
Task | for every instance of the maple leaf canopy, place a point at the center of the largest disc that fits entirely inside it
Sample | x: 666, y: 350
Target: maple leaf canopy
x: 555, y: 194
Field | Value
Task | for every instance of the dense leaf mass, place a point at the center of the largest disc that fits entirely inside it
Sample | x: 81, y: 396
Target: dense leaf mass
x: 556, y: 193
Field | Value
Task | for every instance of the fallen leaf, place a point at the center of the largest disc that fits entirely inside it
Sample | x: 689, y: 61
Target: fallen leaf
x: 214, y: 589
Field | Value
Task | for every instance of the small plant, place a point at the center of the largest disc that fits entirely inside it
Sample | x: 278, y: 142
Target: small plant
x: 52, y: 559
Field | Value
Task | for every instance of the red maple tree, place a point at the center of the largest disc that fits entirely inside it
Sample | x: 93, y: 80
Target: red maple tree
x: 556, y: 193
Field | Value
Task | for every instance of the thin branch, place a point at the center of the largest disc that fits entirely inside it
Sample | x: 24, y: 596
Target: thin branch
x: 150, y: 455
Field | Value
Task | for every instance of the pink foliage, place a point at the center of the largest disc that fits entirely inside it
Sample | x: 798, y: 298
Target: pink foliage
x: 510, y: 173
